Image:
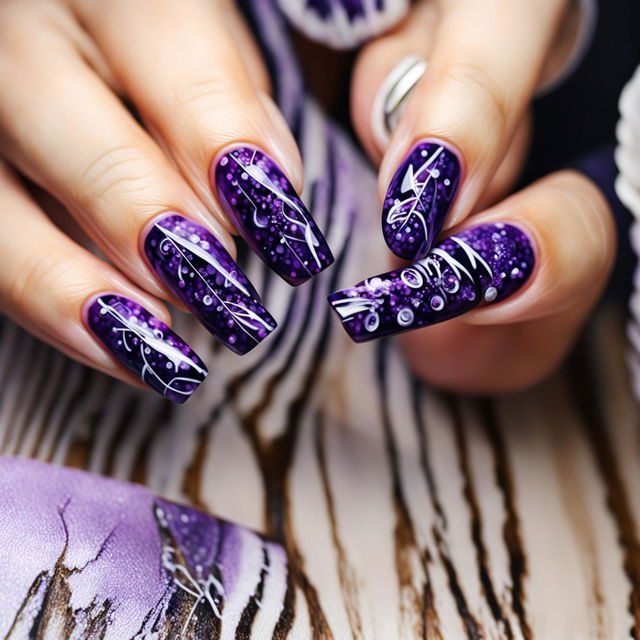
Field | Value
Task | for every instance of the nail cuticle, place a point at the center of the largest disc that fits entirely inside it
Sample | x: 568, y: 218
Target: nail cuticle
x: 484, y: 264
x: 269, y: 214
x: 420, y: 196
x: 193, y: 264
x: 145, y: 345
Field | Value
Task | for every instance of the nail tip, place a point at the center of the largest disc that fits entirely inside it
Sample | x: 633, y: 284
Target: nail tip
x: 145, y: 346
x: 402, y: 252
x: 269, y: 213
x: 297, y: 280
x: 334, y: 299
x: 243, y: 348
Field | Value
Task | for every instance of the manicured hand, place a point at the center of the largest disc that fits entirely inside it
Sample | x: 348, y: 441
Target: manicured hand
x: 159, y: 194
x: 449, y: 125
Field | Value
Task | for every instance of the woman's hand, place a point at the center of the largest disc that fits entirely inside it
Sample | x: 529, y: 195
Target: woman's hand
x: 159, y: 199
x: 519, y: 277
x: 522, y: 276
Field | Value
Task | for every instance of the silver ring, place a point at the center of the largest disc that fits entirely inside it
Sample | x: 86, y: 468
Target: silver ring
x: 392, y: 96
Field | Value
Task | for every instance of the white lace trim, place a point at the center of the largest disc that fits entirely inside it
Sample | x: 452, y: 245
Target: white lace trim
x: 628, y: 190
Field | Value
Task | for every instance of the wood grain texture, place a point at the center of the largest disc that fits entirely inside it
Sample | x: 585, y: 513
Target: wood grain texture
x: 405, y: 513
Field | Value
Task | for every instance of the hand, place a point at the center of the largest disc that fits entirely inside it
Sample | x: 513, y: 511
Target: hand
x: 159, y: 199
x: 520, y: 277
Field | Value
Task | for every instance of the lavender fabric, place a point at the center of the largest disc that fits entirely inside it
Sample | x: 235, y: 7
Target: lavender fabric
x: 96, y: 558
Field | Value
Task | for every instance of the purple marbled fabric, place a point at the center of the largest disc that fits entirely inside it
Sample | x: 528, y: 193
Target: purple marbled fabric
x: 95, y: 558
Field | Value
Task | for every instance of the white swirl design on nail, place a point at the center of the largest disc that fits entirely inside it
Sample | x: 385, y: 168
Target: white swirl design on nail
x: 246, y: 319
x: 151, y: 339
x: 299, y: 228
x: 398, y: 214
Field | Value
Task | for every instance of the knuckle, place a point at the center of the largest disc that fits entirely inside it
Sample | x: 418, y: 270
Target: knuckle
x: 42, y: 271
x: 491, y: 101
x: 121, y: 170
x: 213, y: 99
x: 205, y: 91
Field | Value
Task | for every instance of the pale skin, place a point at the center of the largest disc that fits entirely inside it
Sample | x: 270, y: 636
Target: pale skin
x: 63, y: 125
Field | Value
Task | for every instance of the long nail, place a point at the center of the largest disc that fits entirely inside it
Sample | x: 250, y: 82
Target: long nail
x: 419, y: 198
x: 393, y: 94
x: 146, y: 346
x: 484, y: 264
x: 197, y: 268
x: 269, y: 214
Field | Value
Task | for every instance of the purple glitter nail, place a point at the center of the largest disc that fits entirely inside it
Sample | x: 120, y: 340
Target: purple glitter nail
x: 483, y: 264
x: 146, y: 346
x: 269, y: 214
x: 197, y: 268
x: 419, y: 198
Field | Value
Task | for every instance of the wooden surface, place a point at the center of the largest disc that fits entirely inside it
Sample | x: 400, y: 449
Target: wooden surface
x: 406, y: 513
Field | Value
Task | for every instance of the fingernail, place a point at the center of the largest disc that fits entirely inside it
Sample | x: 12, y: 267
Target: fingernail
x: 268, y: 213
x: 391, y: 99
x: 419, y: 198
x: 484, y: 264
x: 195, y: 266
x: 146, y: 346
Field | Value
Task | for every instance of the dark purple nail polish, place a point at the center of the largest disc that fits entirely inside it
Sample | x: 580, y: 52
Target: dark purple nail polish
x: 146, y: 346
x: 483, y: 264
x: 200, y: 272
x: 419, y: 198
x: 269, y: 214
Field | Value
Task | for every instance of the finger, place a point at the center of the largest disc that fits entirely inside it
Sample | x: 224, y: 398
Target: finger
x: 180, y: 66
x: 379, y: 101
x: 543, y: 251
x: 461, y: 116
x: 119, y: 185
x: 385, y: 74
x: 65, y: 296
x: 571, y: 225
